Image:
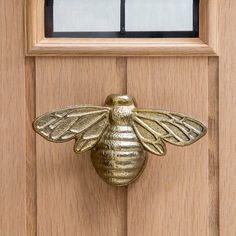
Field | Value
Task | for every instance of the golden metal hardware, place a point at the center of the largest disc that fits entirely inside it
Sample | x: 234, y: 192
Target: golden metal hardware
x: 119, y: 134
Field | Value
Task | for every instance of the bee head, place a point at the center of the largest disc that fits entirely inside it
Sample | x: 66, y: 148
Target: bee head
x: 119, y: 100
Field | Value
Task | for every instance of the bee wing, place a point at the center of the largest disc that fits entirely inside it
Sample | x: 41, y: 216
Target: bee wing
x: 86, y: 124
x: 155, y: 127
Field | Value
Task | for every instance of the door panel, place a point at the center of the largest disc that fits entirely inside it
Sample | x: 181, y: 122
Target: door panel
x: 227, y: 114
x: 171, y: 198
x: 12, y: 120
x: 71, y: 199
x: 45, y: 189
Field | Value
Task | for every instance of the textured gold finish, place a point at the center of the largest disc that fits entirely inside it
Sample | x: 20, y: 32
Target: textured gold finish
x: 119, y: 134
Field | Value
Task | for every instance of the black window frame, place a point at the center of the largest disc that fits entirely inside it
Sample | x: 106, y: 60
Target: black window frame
x: 49, y: 33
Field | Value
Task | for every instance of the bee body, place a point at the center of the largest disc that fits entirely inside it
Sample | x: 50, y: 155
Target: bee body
x: 119, y: 158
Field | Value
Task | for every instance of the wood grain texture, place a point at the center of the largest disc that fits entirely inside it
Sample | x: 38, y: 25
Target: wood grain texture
x: 71, y: 198
x: 171, y: 197
x: 212, y: 24
x: 213, y: 145
x: 227, y: 114
x: 12, y: 120
x: 121, y: 47
x: 204, y: 11
x: 34, y: 22
x: 31, y: 171
x: 209, y: 10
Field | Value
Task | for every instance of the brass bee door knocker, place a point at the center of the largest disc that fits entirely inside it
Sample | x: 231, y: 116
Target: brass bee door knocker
x: 119, y: 134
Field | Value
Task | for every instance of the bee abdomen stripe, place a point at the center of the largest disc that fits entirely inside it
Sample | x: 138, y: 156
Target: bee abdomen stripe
x: 122, y: 155
x: 122, y: 137
x: 119, y: 182
x: 119, y: 166
x: 119, y: 145
x: 118, y: 174
x: 121, y: 129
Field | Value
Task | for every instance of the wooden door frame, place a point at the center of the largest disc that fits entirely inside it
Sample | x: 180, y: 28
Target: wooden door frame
x: 38, y: 45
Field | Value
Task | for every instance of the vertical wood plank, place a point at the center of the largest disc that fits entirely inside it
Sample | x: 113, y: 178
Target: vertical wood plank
x: 227, y: 114
x: 171, y: 198
x: 12, y: 119
x: 31, y: 172
x: 71, y: 198
x: 213, y: 144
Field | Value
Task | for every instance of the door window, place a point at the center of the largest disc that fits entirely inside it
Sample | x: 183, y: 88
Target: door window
x: 121, y: 18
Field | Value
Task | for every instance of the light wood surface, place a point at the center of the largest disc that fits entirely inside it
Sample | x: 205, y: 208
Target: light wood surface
x: 121, y: 47
x: 37, y: 44
x: 213, y: 145
x: 227, y: 114
x: 71, y: 198
x: 212, y: 26
x: 209, y: 15
x: 171, y: 198
x: 46, y: 190
x: 31, y: 170
x: 12, y: 120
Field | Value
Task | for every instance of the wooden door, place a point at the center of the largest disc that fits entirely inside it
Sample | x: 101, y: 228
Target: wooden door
x: 47, y: 190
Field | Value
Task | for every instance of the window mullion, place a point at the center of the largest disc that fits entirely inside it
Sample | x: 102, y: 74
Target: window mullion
x: 122, y: 16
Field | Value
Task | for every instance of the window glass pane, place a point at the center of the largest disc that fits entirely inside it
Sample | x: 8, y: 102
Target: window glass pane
x: 86, y: 15
x: 159, y: 15
x: 121, y: 18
